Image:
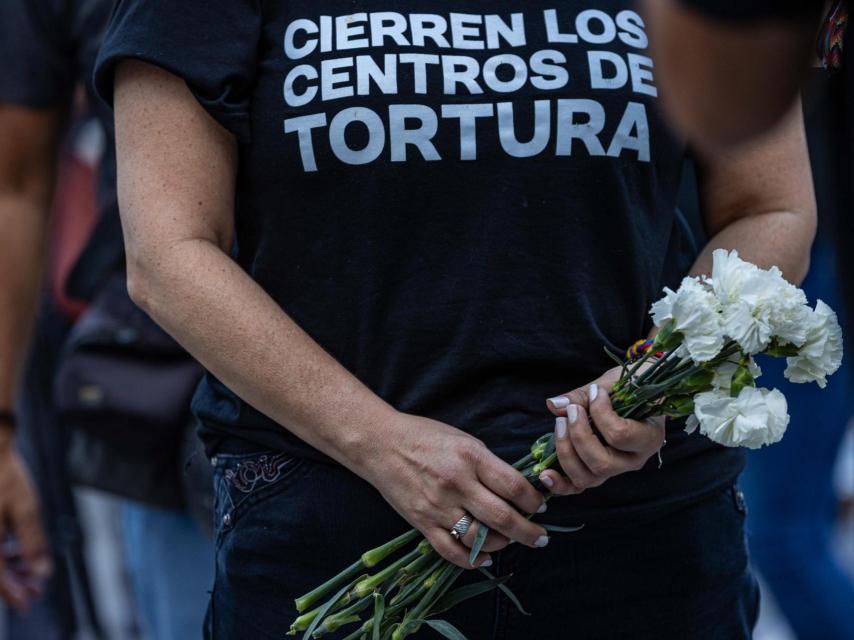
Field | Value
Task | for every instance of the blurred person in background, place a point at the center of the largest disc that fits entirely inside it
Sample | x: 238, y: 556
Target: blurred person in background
x: 730, y: 69
x: 721, y: 101
x: 85, y: 398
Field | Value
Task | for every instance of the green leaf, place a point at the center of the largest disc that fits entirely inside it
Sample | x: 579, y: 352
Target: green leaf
x: 467, y: 592
x: 325, y: 609
x: 507, y: 592
x: 620, y: 362
x: 379, y: 610
x: 679, y: 406
x: 668, y: 338
x: 479, y: 539
x: 740, y: 379
x: 778, y: 350
x: 446, y: 629
x: 698, y: 381
x: 557, y: 529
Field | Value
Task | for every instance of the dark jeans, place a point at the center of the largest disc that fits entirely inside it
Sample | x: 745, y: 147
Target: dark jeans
x: 284, y: 525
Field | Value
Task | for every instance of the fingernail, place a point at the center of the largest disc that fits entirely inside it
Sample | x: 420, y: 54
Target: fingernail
x: 560, y: 427
x: 542, y: 508
x: 559, y: 401
x: 547, y: 481
x: 572, y: 413
x: 594, y: 391
x: 542, y: 541
x: 486, y: 563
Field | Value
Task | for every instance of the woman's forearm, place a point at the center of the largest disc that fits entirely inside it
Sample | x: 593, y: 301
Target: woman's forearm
x: 177, y: 173
x: 782, y: 239
x: 760, y: 200
x: 230, y: 324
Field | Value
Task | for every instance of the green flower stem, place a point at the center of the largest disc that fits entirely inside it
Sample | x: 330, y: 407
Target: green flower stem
x: 523, y: 462
x: 332, y: 624
x: 413, y: 596
x: 407, y: 595
x: 304, y: 621
x: 417, y: 565
x: 546, y: 463
x: 639, y: 363
x: 446, y: 579
x: 435, y: 585
x: 424, y: 547
x: 373, y: 557
x: 344, y: 617
x: 666, y: 360
x: 403, y: 595
x: 366, y: 586
x: 307, y: 601
x: 442, y: 585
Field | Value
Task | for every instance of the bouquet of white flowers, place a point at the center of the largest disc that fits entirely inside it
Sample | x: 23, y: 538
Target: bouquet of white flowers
x: 700, y: 366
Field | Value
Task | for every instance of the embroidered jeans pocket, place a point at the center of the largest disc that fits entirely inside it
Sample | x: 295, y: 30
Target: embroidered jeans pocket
x: 241, y: 481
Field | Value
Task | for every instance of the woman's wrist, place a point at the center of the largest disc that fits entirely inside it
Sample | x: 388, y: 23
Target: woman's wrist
x: 364, y: 440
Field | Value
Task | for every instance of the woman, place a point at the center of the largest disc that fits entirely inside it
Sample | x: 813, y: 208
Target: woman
x: 437, y: 219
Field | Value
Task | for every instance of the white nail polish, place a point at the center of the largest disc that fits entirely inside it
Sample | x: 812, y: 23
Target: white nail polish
x: 594, y: 391
x: 542, y: 508
x: 548, y: 483
x: 542, y: 541
x: 560, y: 427
x: 572, y: 413
x: 559, y: 401
x: 486, y: 563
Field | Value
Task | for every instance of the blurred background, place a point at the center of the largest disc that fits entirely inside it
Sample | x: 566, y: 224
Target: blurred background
x: 128, y: 521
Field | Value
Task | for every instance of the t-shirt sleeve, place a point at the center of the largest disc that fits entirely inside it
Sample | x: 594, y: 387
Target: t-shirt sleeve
x: 756, y: 10
x: 37, y: 63
x: 212, y: 46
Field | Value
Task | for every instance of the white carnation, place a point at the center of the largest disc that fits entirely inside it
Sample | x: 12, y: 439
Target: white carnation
x: 821, y: 353
x: 695, y: 313
x: 757, y: 304
x: 729, y: 273
x: 757, y: 417
x: 788, y: 312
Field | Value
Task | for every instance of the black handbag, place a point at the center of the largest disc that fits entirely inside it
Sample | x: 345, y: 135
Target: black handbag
x: 123, y: 389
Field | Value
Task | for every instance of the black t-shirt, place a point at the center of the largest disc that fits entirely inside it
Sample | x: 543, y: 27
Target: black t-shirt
x: 47, y: 47
x: 462, y: 203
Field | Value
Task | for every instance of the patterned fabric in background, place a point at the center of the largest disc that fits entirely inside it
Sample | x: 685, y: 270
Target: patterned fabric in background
x: 831, y: 40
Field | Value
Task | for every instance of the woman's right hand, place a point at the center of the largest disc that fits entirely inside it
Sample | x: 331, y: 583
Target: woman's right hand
x: 433, y: 474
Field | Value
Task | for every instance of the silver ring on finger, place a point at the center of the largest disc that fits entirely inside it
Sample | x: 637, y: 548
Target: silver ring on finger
x: 461, y: 527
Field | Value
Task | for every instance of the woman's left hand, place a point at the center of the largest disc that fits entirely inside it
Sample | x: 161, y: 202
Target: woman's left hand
x: 585, y: 460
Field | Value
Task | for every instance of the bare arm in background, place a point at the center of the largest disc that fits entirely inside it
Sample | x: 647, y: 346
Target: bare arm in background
x: 724, y: 83
x: 28, y: 151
